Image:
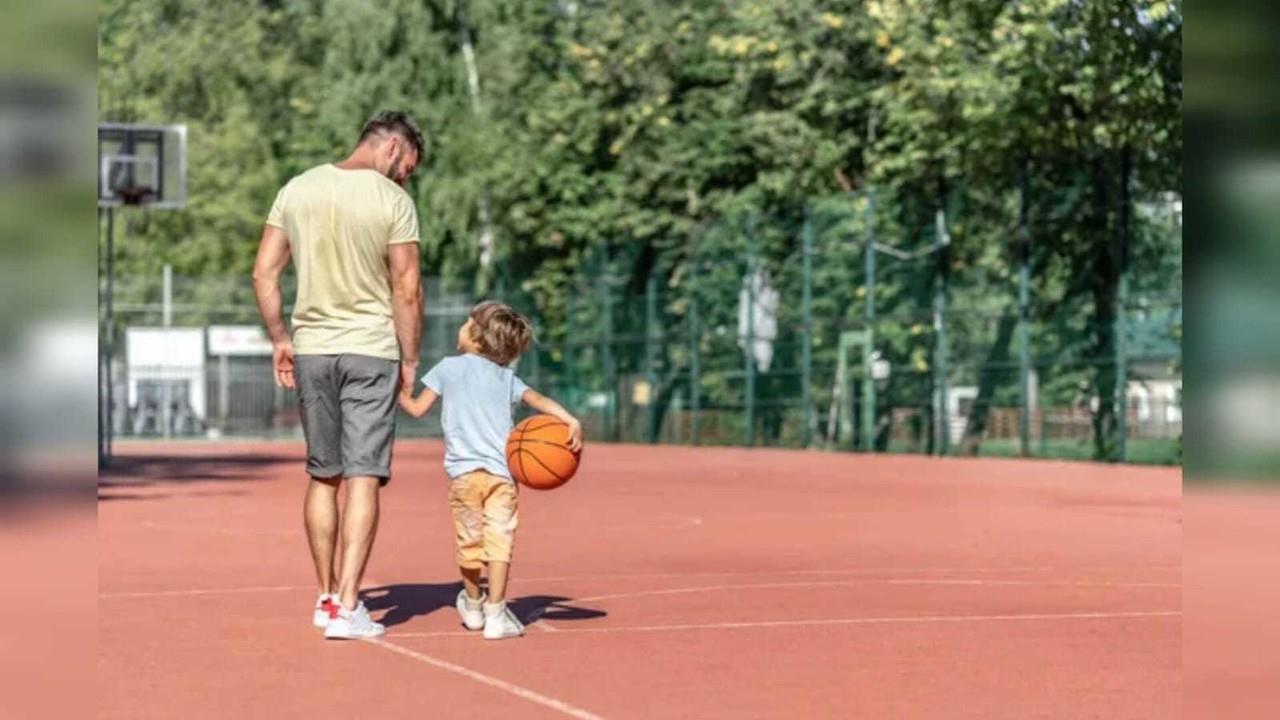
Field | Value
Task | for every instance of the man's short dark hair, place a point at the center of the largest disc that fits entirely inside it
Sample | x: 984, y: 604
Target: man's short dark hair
x: 394, y: 121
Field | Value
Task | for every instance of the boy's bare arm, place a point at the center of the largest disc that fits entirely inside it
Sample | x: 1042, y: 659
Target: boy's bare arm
x: 544, y: 404
x: 418, y: 406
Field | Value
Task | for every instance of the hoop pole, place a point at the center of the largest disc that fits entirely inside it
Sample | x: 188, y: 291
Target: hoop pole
x: 102, y: 375
x: 109, y: 333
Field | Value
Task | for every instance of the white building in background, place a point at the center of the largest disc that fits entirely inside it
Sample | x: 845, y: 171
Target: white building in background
x: 758, y: 303
x: 165, y: 377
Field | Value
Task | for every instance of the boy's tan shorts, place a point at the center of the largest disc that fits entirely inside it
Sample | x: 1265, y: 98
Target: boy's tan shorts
x: 485, y: 517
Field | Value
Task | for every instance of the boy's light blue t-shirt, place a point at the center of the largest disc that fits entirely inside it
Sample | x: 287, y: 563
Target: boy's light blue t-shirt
x: 478, y: 395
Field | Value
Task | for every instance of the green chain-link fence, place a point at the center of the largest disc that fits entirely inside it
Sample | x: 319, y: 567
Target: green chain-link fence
x: 857, y: 322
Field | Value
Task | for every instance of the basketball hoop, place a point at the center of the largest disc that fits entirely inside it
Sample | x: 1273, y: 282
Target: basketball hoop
x: 133, y: 196
x: 142, y: 165
x: 138, y: 166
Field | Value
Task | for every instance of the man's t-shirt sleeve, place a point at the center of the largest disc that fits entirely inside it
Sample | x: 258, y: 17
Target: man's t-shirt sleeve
x: 517, y: 389
x: 434, y: 380
x: 276, y: 215
x: 404, y: 224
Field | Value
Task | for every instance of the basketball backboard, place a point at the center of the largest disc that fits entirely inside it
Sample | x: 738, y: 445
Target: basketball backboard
x: 142, y: 165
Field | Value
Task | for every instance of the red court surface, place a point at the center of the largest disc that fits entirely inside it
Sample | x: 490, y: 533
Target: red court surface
x: 662, y: 582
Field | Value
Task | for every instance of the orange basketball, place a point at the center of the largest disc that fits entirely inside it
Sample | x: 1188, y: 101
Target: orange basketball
x: 538, y: 453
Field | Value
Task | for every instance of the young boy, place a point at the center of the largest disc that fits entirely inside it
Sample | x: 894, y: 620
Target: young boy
x: 479, y: 391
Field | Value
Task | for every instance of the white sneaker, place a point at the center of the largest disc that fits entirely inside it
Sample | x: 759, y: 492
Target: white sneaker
x: 472, y: 611
x: 500, y: 622
x: 326, y: 609
x: 352, y: 625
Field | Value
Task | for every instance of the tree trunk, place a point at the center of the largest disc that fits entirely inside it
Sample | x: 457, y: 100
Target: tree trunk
x: 995, y: 372
x: 1104, y: 281
x: 1104, y: 379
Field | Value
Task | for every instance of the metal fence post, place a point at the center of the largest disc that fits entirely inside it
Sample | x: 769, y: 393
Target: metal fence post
x: 606, y: 351
x: 568, y: 351
x: 943, y: 419
x: 1024, y: 317
x: 535, y: 350
x: 806, y: 368
x: 749, y: 353
x: 868, y: 348
x: 650, y: 349
x: 1122, y: 302
x: 694, y: 340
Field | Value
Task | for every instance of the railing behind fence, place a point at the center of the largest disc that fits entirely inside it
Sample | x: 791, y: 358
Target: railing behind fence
x: 788, y: 332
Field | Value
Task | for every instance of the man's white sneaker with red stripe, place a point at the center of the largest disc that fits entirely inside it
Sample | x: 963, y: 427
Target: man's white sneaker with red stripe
x: 352, y: 624
x: 326, y: 610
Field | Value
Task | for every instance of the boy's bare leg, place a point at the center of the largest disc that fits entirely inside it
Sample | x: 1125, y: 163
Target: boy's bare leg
x: 320, y: 514
x: 471, y: 581
x: 498, y: 581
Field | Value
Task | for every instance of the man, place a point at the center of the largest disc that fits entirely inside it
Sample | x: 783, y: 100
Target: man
x: 352, y: 233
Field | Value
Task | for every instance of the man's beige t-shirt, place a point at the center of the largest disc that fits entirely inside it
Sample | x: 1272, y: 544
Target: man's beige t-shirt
x: 340, y: 224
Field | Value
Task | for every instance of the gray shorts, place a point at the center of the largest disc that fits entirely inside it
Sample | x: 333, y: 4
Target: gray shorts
x: 348, y: 407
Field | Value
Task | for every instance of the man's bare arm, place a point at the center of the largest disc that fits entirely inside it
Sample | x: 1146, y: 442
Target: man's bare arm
x: 273, y: 257
x: 406, y: 307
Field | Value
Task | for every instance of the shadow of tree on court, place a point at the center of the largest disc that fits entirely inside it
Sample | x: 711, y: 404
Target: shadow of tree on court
x: 141, y: 471
x: 404, y: 602
x: 109, y: 493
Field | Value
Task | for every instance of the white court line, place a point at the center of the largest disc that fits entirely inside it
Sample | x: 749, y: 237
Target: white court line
x: 479, y: 677
x: 1038, y: 583
x: 203, y: 591
x: 767, y: 573
x: 855, y: 571
x: 847, y: 621
x: 864, y: 581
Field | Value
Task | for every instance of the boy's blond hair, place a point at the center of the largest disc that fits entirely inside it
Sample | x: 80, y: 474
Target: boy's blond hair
x: 500, y: 333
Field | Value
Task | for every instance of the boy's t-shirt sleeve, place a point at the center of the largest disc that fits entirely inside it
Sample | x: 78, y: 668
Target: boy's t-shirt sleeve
x: 517, y: 388
x: 434, y: 380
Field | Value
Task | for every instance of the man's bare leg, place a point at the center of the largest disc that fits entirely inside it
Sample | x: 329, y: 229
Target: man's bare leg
x: 359, y: 526
x: 320, y: 515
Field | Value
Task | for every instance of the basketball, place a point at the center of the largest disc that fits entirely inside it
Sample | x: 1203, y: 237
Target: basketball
x: 538, y: 453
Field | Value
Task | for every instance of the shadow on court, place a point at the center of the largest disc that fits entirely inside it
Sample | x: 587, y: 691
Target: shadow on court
x: 144, y: 470
x: 404, y: 602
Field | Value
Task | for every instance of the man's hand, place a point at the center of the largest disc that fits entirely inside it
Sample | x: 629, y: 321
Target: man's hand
x: 273, y: 256
x: 282, y: 360
x: 408, y: 375
x: 405, y: 399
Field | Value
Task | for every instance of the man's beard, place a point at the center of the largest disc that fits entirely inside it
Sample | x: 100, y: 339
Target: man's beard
x: 395, y: 166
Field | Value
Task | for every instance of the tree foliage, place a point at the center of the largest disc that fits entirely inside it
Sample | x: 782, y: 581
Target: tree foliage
x: 624, y: 130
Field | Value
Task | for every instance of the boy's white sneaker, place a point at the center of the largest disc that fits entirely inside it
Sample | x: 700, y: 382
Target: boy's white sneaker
x: 326, y: 608
x: 472, y: 611
x: 500, y: 623
x: 352, y: 625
